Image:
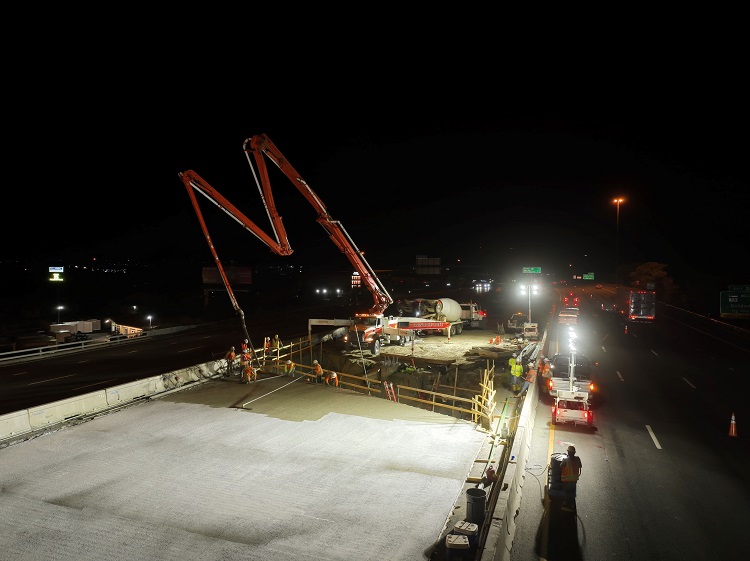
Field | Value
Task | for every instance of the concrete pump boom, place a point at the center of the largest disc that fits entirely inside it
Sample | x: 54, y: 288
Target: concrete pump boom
x: 257, y: 147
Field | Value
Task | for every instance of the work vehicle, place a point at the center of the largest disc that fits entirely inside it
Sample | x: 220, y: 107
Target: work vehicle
x: 367, y: 330
x: 531, y: 331
x: 570, y: 300
x: 570, y: 372
x: 572, y: 407
x: 516, y: 321
x: 567, y: 317
x: 636, y: 304
x: 77, y: 337
x: 444, y: 309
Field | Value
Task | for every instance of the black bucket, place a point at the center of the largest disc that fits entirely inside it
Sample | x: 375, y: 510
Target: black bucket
x: 476, y: 504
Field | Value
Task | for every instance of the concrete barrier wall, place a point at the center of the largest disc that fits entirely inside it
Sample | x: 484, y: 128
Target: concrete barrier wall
x: 17, y: 424
x: 14, y: 424
x: 499, y: 540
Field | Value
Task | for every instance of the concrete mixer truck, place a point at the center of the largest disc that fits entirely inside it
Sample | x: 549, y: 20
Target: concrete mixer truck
x: 444, y: 309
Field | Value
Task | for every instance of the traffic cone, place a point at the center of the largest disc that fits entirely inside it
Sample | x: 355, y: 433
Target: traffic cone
x: 626, y: 329
x: 732, y: 427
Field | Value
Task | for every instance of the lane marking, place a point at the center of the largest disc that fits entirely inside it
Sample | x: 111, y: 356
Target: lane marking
x: 50, y: 380
x: 654, y: 353
x: 21, y: 373
x: 96, y: 384
x: 653, y: 437
x: 620, y: 376
x: 190, y: 349
x: 688, y: 382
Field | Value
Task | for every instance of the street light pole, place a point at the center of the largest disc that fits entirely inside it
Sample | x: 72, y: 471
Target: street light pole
x: 149, y: 322
x: 617, y: 242
x: 58, y: 314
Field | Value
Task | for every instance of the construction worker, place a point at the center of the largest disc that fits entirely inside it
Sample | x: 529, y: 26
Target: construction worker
x: 331, y: 376
x: 266, y: 348
x: 289, y: 368
x: 570, y: 472
x: 230, y: 357
x: 512, y: 362
x: 317, y: 371
x: 276, y: 342
x: 529, y: 379
x: 245, y: 358
x: 250, y: 374
x: 546, y: 368
x: 516, y: 374
x: 245, y: 346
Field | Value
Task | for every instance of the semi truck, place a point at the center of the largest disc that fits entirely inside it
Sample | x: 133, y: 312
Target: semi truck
x: 636, y: 304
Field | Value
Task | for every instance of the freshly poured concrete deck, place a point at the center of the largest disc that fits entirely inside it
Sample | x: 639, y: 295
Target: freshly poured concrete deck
x: 275, y: 471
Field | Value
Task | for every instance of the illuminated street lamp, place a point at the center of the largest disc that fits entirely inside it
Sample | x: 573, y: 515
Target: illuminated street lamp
x: 58, y: 313
x: 149, y: 322
x: 617, y: 242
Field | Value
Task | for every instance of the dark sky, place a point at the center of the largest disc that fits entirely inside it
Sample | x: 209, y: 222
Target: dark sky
x: 488, y: 180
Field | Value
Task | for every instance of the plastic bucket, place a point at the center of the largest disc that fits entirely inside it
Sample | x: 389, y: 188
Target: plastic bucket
x: 476, y: 504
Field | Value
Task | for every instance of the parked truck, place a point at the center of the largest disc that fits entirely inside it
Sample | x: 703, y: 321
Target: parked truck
x: 572, y: 407
x: 446, y: 310
x: 636, y: 304
x: 570, y: 372
x: 370, y: 332
x: 516, y: 322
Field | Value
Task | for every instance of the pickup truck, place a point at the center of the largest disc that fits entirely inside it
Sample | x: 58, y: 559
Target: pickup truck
x: 560, y: 378
x: 516, y: 321
x: 572, y: 407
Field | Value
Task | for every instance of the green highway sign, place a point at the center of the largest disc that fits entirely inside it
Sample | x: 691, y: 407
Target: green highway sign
x: 588, y: 276
x: 734, y: 304
x: 533, y: 270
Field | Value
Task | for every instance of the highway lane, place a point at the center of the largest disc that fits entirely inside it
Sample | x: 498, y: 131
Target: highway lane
x: 662, y: 479
x: 56, y: 376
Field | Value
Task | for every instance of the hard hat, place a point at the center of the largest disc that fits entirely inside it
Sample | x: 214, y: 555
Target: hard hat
x: 275, y: 336
x: 289, y: 362
x: 546, y: 360
x: 245, y: 340
x: 315, y: 361
x: 514, y: 355
x: 232, y: 348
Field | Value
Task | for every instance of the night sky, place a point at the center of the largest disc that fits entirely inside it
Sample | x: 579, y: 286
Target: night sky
x: 472, y: 179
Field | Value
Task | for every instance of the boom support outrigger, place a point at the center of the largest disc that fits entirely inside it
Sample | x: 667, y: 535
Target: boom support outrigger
x: 255, y: 148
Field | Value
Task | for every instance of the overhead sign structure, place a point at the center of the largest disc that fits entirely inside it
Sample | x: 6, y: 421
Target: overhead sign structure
x: 734, y: 304
x: 739, y: 287
x: 533, y: 270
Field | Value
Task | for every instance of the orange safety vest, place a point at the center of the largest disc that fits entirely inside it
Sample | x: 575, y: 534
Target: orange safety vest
x: 570, y: 472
